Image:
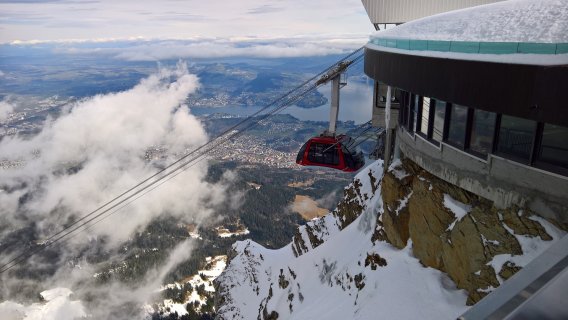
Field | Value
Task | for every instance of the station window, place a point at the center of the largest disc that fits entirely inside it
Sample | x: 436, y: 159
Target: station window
x: 403, y: 116
x: 425, y: 115
x: 482, y: 131
x: 516, y: 137
x: 439, y: 115
x: 413, y: 112
x: 554, y: 146
x: 457, y: 125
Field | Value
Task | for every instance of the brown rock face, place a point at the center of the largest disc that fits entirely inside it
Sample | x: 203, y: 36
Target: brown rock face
x: 414, y: 209
x: 396, y: 215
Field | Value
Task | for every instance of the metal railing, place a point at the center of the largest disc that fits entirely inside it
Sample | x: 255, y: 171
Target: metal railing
x: 472, y: 46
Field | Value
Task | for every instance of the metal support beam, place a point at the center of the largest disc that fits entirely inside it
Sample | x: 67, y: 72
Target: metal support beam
x: 334, y: 108
x: 389, y: 133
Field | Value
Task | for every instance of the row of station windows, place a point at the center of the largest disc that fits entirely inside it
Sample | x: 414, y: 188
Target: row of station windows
x: 481, y: 132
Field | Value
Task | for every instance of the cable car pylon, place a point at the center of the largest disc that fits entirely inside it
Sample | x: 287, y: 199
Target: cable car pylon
x: 328, y: 149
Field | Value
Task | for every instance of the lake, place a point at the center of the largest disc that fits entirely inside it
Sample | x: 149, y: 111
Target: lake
x: 355, y: 103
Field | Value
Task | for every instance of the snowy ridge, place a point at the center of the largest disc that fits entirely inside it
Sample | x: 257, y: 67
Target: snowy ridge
x: 532, y: 247
x: 459, y: 209
x: 347, y: 276
x: 357, y: 195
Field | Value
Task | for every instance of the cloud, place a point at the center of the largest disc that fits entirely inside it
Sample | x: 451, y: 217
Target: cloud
x: 180, y: 19
x: 106, y: 302
x: 97, y: 149
x: 265, y: 9
x: 329, y: 200
x: 5, y: 107
x: 57, y: 305
x: 249, y: 47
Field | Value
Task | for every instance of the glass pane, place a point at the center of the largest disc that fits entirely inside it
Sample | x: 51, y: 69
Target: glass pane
x: 323, y: 153
x: 515, y: 136
x: 414, y: 112
x: 554, y: 148
x: 482, y: 131
x: 403, y: 115
x: 439, y: 114
x: 458, y: 120
x: 425, y: 115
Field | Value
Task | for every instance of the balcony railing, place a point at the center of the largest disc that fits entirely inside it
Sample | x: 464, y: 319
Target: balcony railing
x: 472, y: 47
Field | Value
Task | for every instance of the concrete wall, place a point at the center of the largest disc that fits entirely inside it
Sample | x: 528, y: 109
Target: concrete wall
x: 379, y: 115
x: 502, y: 181
x: 400, y: 11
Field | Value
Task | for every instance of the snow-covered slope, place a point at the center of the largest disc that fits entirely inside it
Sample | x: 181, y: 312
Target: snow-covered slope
x: 348, y: 276
x: 379, y: 254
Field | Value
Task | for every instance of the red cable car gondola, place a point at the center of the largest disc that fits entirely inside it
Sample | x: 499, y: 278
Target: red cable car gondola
x: 331, y: 152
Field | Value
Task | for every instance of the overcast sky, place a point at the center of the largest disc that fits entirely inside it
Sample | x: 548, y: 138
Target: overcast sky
x: 179, y: 19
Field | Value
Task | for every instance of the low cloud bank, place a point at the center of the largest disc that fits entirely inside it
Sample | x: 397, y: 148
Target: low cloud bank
x: 96, y: 149
x: 206, y: 48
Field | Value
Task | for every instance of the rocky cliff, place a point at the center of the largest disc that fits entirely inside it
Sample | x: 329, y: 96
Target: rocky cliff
x: 406, y: 245
x: 476, y: 244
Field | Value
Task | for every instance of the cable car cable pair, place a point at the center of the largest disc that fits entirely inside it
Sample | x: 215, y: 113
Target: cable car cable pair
x: 164, y: 175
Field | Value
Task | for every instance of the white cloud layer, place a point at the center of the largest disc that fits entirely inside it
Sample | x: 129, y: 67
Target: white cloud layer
x: 96, y: 150
x: 5, y: 108
x: 52, y: 19
x: 141, y: 49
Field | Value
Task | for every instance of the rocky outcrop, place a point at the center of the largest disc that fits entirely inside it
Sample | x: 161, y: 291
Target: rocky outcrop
x: 453, y: 230
x: 373, y: 248
x: 356, y: 197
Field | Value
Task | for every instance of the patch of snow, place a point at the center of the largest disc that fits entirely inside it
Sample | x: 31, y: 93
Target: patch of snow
x: 485, y: 241
x: 486, y: 290
x: 195, y: 235
x: 478, y: 273
x: 397, y: 170
x: 459, y: 209
x: 216, y: 265
x: 403, y: 203
x: 224, y: 233
x: 532, y: 246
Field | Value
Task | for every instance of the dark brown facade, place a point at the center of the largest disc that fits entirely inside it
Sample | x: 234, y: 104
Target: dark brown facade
x: 533, y: 92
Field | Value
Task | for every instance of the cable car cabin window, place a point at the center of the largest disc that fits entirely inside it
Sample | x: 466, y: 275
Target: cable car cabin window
x: 458, y: 121
x: 516, y: 137
x: 347, y: 157
x: 554, y: 147
x: 323, y: 153
x: 482, y: 132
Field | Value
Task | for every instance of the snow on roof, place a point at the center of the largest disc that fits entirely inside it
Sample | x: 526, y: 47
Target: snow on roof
x: 541, y: 21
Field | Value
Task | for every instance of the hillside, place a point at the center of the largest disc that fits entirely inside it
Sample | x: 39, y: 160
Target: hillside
x: 404, y: 246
